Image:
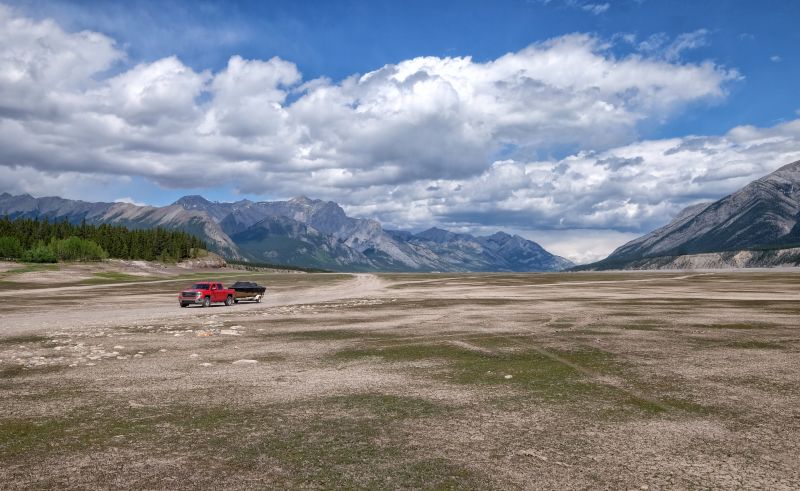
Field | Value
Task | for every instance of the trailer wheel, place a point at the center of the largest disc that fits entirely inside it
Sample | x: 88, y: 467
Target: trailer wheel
x: 235, y: 300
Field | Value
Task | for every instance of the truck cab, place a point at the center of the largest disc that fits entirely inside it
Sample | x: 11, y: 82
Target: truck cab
x: 205, y: 293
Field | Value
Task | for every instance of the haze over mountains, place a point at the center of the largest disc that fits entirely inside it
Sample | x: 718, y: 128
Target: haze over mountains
x: 304, y: 232
x: 764, y: 215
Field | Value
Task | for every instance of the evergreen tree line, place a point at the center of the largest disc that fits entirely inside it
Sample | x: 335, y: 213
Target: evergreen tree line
x: 36, y: 240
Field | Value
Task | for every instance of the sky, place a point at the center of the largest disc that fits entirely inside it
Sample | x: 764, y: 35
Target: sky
x: 579, y: 124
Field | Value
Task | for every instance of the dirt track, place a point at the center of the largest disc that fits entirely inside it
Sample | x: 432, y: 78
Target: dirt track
x: 119, y: 304
x: 664, y: 380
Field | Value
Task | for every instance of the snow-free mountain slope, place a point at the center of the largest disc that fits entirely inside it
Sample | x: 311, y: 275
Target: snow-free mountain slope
x: 304, y: 232
x: 763, y: 214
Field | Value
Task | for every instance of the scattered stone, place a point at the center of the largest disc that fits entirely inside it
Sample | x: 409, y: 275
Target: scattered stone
x: 119, y: 346
x: 138, y: 355
x: 507, y: 377
x: 245, y: 362
x: 194, y: 355
x: 230, y: 332
x: 533, y: 453
x: 206, y: 364
x: 162, y: 350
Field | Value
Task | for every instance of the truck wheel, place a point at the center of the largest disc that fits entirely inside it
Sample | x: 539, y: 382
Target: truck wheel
x: 182, y: 304
x: 207, y: 302
x: 235, y: 300
x: 229, y: 301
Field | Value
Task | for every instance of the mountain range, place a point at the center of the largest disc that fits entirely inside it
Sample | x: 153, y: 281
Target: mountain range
x: 762, y: 216
x: 303, y: 232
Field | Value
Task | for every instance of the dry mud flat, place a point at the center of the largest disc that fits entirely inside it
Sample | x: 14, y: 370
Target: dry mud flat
x: 591, y: 380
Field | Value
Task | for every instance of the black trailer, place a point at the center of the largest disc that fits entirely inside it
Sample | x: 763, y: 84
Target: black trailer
x: 248, y: 291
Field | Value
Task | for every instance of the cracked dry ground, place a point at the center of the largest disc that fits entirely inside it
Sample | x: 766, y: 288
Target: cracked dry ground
x: 590, y: 380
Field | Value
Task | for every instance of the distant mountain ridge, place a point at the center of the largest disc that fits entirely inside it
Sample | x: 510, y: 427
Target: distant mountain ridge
x: 764, y: 214
x: 304, y: 232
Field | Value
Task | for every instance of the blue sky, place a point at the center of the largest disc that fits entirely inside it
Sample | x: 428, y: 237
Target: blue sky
x: 718, y: 76
x: 338, y: 38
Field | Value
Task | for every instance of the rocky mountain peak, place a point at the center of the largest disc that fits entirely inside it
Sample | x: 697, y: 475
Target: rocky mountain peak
x: 304, y: 232
x: 303, y: 200
x: 192, y: 201
x: 763, y: 213
x: 436, y: 234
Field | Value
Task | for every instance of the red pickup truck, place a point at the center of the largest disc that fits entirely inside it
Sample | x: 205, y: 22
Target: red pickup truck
x: 205, y: 293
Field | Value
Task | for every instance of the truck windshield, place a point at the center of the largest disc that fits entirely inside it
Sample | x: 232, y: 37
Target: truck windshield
x: 200, y: 286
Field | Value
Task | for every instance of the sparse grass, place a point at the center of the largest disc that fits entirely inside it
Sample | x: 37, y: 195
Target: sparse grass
x: 738, y: 325
x: 632, y: 406
x: 642, y: 325
x: 32, y: 268
x: 737, y: 343
x: 413, y: 393
x: 24, y: 339
x: 337, y: 334
x: 12, y: 371
x: 338, y: 442
x: 114, y: 276
x: 529, y: 369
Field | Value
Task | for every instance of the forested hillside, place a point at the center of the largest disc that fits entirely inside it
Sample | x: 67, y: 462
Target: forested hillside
x: 44, y: 241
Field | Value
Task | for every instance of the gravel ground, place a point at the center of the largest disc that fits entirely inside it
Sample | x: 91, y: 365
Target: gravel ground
x: 532, y: 381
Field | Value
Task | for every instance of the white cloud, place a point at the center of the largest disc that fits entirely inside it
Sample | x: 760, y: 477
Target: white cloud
x: 130, y: 201
x: 427, y: 140
x: 596, y: 8
x: 660, y: 45
x: 775, y: 58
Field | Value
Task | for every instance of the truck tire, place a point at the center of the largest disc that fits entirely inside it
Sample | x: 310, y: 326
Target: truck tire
x: 182, y: 304
x: 207, y: 302
x: 229, y: 301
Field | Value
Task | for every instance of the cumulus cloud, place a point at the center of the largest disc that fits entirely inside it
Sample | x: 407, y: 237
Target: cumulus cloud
x: 130, y: 201
x: 447, y: 140
x: 633, y: 188
x: 426, y: 117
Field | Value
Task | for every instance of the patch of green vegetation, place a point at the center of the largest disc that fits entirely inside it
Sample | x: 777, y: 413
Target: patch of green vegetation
x: 74, y: 432
x: 752, y: 344
x: 32, y: 268
x: 385, y: 406
x: 660, y: 406
x: 598, y: 331
x: 26, y: 338
x: 550, y: 374
x: 738, y: 325
x: 348, y: 441
x: 641, y: 325
x: 736, y: 343
x: 268, y: 357
x: 336, y: 334
x: 114, y: 276
x: 23, y: 371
